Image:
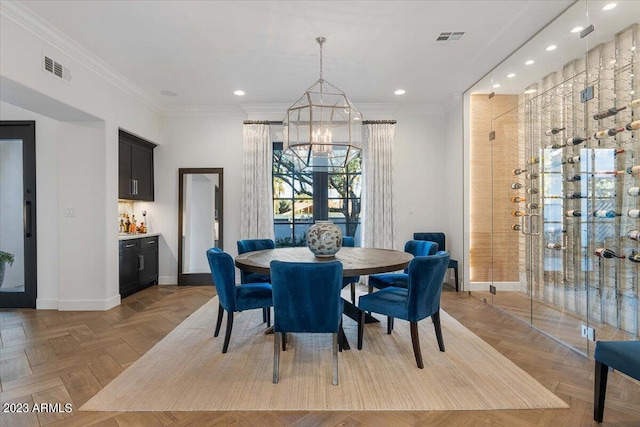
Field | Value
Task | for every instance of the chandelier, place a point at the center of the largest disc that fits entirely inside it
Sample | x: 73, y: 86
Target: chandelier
x: 322, y: 130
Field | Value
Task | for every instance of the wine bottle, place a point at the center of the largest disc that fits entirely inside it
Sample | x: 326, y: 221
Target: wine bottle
x: 532, y: 175
x: 517, y: 213
x: 516, y: 186
x: 633, y: 126
x: 632, y: 170
x: 635, y: 103
x: 633, y: 213
x: 555, y: 230
x: 557, y: 145
x: 554, y: 131
x: 532, y: 205
x: 573, y: 178
x: 555, y: 246
x: 532, y: 190
x: 608, y: 113
x: 607, y: 253
x: 518, y: 171
x: 574, y: 159
x: 633, y: 191
x: 573, y: 213
x: 516, y: 227
x: 518, y: 199
x: 574, y: 196
x: 608, y: 132
x: 634, y: 256
x: 533, y: 160
x: 633, y: 234
x: 575, y: 140
x: 604, y: 213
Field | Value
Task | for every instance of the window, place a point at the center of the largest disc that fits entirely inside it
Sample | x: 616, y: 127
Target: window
x: 299, y: 199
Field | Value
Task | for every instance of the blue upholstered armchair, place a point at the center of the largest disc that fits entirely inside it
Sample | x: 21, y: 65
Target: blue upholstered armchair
x: 415, y: 248
x: 348, y: 241
x: 421, y: 299
x: 234, y: 298
x: 441, y: 240
x: 306, y: 298
x: 250, y: 245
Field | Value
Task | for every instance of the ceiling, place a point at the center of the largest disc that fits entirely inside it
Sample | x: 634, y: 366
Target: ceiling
x: 204, y: 50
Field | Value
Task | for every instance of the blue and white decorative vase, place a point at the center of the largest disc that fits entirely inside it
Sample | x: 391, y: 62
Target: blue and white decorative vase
x: 324, y: 239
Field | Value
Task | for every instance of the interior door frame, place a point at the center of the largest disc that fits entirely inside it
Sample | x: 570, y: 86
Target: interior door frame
x: 25, y: 130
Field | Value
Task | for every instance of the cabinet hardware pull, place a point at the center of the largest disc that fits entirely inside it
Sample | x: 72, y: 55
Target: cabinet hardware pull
x: 131, y: 189
x: 135, y: 186
x: 129, y: 246
x: 152, y: 242
x: 28, y: 219
x: 140, y: 262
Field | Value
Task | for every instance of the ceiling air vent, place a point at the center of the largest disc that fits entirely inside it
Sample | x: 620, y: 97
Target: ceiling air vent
x: 450, y: 36
x: 56, y: 68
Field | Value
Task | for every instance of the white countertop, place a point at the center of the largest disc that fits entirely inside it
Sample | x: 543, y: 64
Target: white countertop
x: 127, y: 236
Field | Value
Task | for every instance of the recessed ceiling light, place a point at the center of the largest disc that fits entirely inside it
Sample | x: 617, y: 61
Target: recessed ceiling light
x: 168, y: 93
x: 511, y: 75
x: 577, y: 29
x: 400, y: 92
x: 529, y: 62
x: 609, y: 6
x: 530, y: 91
x: 551, y: 47
x: 496, y: 86
x: 238, y: 92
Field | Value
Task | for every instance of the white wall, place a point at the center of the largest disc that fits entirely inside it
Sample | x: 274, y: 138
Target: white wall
x: 76, y: 162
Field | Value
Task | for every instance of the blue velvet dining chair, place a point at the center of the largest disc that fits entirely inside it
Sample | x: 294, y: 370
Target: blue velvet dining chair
x: 421, y: 299
x: 250, y: 245
x: 415, y: 248
x: 349, y: 242
x: 306, y: 298
x: 234, y: 298
x: 441, y: 240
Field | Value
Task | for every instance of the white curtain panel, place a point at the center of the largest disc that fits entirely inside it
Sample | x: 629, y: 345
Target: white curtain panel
x: 377, y: 182
x: 257, y: 203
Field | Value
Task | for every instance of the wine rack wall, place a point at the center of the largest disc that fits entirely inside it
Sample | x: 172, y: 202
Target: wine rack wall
x: 578, y: 180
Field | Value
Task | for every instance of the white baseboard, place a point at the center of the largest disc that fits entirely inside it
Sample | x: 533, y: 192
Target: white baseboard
x: 167, y: 280
x: 89, y: 304
x: 46, y: 304
x: 500, y: 286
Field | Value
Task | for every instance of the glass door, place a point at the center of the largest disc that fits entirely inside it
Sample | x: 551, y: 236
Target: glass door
x: 17, y: 214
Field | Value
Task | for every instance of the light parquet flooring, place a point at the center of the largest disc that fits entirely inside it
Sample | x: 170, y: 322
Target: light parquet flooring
x: 67, y: 357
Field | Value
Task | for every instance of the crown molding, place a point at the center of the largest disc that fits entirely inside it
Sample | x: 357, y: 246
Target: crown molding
x: 30, y: 21
x: 421, y: 109
x: 204, y: 110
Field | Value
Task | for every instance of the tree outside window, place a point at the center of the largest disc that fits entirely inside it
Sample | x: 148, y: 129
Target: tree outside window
x: 299, y: 199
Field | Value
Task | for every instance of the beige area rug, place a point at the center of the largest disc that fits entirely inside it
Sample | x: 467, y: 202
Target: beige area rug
x: 186, y: 371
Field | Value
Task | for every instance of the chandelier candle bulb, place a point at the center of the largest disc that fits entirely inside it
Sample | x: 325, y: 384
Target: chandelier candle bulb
x: 608, y: 113
x: 554, y: 131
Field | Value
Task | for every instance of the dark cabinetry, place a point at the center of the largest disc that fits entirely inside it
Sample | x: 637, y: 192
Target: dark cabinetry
x: 138, y: 264
x: 135, y: 168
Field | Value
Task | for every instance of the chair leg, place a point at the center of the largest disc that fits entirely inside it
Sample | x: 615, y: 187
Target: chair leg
x: 353, y: 293
x: 455, y: 273
x: 436, y: 324
x: 416, y: 344
x: 265, y: 315
x: 276, y: 357
x: 268, y: 311
x: 389, y: 325
x: 227, y: 335
x: 599, y: 391
x: 360, y: 329
x: 219, y: 322
x: 335, y: 359
x: 284, y: 341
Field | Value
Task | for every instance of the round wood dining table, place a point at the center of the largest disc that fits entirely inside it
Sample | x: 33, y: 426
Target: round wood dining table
x: 355, y: 261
